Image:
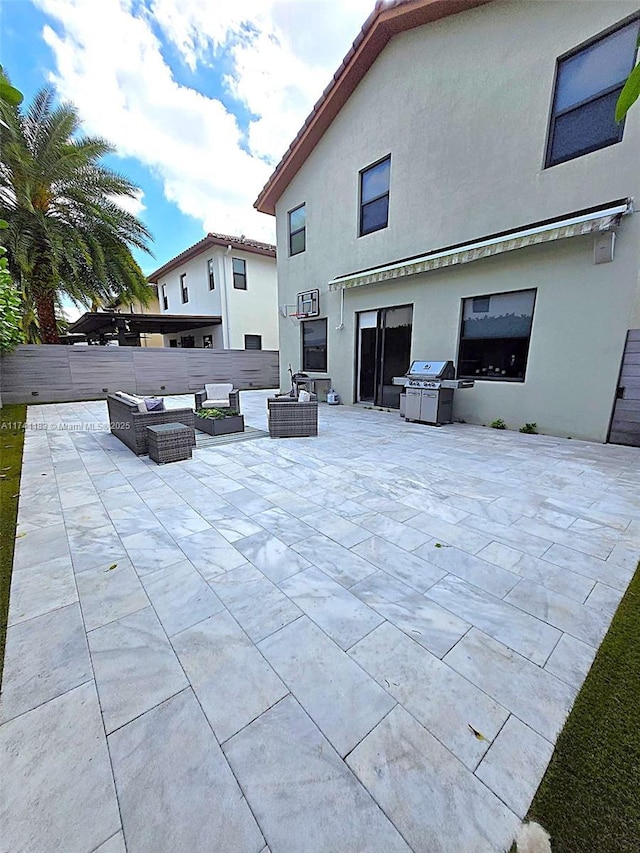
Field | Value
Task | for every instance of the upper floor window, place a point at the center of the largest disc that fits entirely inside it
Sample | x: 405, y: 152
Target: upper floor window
x: 495, y: 333
x: 588, y: 83
x: 253, y: 341
x: 374, y: 196
x: 239, y: 273
x: 212, y: 281
x: 165, y: 300
x: 297, y: 230
x: 184, y: 290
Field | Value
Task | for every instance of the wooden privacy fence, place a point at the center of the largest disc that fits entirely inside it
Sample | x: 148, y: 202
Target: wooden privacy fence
x: 54, y: 374
x: 625, y: 423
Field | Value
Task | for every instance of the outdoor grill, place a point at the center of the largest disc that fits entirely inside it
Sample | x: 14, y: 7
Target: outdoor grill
x: 429, y: 388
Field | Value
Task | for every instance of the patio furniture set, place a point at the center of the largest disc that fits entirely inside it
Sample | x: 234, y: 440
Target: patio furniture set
x: 168, y: 435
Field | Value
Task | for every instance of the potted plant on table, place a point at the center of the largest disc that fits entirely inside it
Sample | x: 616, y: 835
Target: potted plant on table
x: 219, y: 421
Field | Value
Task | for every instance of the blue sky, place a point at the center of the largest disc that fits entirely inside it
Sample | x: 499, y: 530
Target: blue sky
x: 200, y: 97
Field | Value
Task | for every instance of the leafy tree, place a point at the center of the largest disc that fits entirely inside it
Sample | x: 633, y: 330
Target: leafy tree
x: 10, y: 308
x: 630, y: 92
x: 66, y: 233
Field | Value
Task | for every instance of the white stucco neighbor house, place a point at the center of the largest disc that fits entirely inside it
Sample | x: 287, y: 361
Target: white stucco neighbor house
x: 462, y: 191
x: 232, y: 280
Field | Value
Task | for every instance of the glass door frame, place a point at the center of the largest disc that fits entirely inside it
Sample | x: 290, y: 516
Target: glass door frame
x: 380, y: 328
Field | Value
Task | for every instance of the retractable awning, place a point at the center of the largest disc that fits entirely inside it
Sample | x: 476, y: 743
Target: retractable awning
x: 596, y: 220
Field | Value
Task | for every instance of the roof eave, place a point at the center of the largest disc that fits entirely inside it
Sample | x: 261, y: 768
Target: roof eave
x: 200, y: 246
x: 379, y: 28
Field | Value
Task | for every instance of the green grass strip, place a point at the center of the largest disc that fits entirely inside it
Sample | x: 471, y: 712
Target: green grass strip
x: 589, y: 799
x: 11, y: 442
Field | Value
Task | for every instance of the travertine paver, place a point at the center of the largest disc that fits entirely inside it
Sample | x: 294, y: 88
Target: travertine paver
x: 339, y: 613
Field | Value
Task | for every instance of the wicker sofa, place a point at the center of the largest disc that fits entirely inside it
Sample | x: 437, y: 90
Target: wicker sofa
x: 289, y: 418
x: 130, y: 425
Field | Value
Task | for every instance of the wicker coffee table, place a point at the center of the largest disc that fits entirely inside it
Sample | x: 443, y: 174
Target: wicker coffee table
x: 170, y: 442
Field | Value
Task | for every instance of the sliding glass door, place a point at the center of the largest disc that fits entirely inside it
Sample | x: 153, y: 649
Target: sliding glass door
x: 384, y: 351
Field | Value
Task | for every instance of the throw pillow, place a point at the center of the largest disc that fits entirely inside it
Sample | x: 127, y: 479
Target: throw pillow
x: 154, y: 404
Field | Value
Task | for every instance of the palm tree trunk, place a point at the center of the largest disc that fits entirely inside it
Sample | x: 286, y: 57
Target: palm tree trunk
x: 45, y: 308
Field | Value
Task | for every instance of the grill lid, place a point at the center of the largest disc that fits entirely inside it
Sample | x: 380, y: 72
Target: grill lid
x: 431, y: 370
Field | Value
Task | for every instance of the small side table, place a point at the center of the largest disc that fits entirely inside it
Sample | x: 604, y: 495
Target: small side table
x: 170, y: 442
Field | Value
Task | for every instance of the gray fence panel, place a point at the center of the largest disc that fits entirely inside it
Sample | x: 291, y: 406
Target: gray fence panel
x: 625, y: 423
x: 51, y: 374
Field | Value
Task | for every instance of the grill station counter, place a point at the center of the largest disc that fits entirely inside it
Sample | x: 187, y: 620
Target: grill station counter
x: 429, y: 387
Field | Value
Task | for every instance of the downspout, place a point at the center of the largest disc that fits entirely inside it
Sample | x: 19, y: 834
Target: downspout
x: 341, y: 326
x: 224, y: 302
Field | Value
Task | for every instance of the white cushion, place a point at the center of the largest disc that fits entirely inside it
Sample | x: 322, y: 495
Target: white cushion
x: 130, y: 398
x: 219, y: 391
x: 216, y: 404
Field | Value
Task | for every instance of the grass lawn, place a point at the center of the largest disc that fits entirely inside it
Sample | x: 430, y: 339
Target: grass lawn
x: 11, y: 441
x: 589, y: 799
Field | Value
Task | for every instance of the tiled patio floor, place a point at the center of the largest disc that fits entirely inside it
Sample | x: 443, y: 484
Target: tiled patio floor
x: 289, y: 645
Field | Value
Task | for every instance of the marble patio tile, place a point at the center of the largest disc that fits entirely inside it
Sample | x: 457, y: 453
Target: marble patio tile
x: 91, y: 548
x: 434, y: 800
x: 239, y: 583
x: 287, y: 528
x: 340, y: 529
x: 570, y: 616
x: 605, y: 598
x: 167, y: 763
x: 423, y: 620
x: 151, y: 550
x: 571, y: 660
x: 56, y: 787
x: 321, y: 807
x: 181, y: 520
x: 292, y: 503
x: 343, y: 565
x: 472, y: 569
x: 442, y: 700
x: 162, y: 497
x: 393, y: 531
x: 594, y: 545
x: 86, y: 517
x: 534, y: 695
x: 408, y: 568
x: 210, y: 553
x: 180, y: 596
x: 522, y: 632
x: 77, y: 493
x: 120, y: 496
x: 34, y: 515
x: 275, y: 559
x: 345, y: 618
x: 107, y: 594
x: 237, y: 528
x: 516, y: 535
x: 135, y: 667
x: 625, y: 555
x: 115, y: 844
x: 47, y: 541
x: 262, y: 609
x: 41, y: 589
x: 131, y: 519
x: 248, y: 502
x: 342, y: 700
x: 426, y: 503
x: 450, y: 534
x: 45, y: 657
x: 591, y: 567
x: 232, y: 680
x: 608, y: 519
x: 515, y: 764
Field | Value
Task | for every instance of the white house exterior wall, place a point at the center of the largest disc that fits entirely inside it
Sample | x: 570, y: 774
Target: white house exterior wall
x: 252, y: 311
x: 462, y: 105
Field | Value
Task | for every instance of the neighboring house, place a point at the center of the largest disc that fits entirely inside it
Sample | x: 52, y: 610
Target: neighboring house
x: 231, y: 279
x: 147, y: 339
x: 455, y: 194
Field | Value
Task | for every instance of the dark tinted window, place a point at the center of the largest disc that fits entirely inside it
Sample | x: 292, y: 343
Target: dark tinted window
x: 314, y: 345
x: 374, y: 197
x: 210, y: 274
x: 253, y: 341
x: 588, y: 84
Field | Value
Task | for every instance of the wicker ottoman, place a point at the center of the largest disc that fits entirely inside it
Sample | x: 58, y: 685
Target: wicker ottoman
x: 169, y: 442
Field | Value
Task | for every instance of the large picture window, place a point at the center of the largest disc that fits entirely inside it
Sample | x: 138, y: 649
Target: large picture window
x: 494, y: 339
x: 374, y: 197
x: 314, y: 345
x: 298, y: 230
x: 588, y: 83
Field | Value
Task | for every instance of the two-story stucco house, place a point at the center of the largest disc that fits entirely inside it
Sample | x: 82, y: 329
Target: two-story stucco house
x: 462, y: 191
x: 230, y: 279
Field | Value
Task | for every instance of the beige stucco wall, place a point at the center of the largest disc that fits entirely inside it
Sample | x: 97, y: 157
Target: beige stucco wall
x: 462, y: 105
x: 146, y: 339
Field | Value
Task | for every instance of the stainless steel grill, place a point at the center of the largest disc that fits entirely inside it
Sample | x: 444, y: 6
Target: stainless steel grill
x: 429, y: 388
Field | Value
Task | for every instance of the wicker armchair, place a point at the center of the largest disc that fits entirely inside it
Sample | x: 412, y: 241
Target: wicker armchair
x: 130, y: 425
x: 290, y: 419
x: 231, y: 398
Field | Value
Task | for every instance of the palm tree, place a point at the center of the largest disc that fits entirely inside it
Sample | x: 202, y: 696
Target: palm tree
x: 67, y: 234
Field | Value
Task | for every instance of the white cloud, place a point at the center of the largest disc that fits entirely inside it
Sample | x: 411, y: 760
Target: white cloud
x: 278, y: 57
x: 132, y: 204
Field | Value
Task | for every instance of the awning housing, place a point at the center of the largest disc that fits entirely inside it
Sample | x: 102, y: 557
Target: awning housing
x: 596, y: 220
